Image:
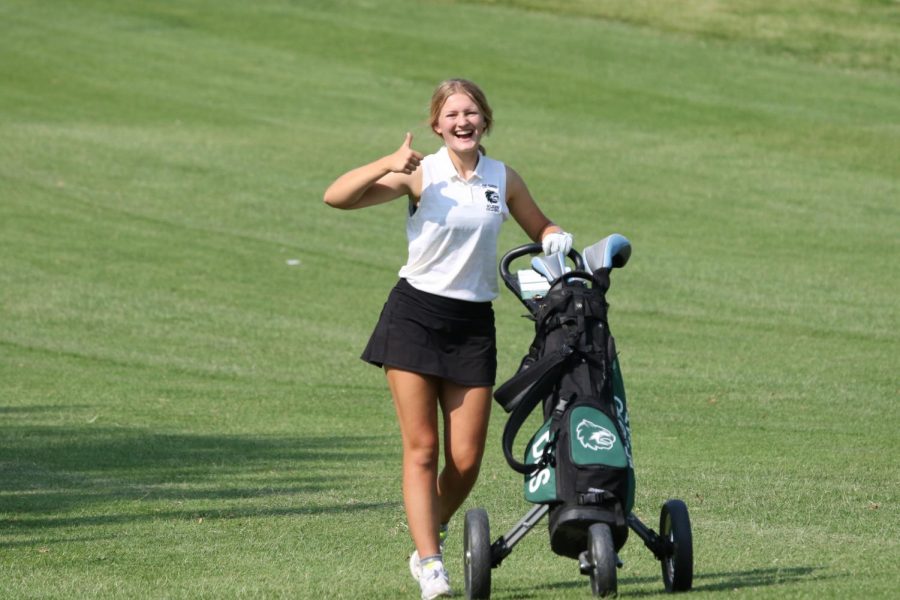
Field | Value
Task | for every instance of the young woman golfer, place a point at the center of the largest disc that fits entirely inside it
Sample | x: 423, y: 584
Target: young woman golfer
x: 435, y: 338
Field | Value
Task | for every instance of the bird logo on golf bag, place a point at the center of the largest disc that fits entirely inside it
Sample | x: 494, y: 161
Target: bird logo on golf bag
x: 594, y: 437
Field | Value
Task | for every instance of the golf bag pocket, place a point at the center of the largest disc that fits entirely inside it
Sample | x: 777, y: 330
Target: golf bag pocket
x: 540, y: 485
x: 592, y: 465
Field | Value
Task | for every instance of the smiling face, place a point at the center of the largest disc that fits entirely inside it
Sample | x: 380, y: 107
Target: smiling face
x: 460, y: 123
x: 460, y: 114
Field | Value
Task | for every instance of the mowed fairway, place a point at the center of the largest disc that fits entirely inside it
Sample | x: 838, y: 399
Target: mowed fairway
x: 183, y: 413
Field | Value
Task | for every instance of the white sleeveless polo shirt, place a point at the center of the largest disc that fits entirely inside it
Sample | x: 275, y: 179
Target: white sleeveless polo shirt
x: 453, y: 232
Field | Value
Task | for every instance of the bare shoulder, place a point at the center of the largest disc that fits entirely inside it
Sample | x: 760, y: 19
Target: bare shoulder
x: 522, y: 206
x: 413, y: 184
x: 400, y: 183
x: 515, y: 185
x: 392, y: 186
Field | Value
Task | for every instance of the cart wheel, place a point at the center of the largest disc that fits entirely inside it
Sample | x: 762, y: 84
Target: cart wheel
x: 675, y: 528
x: 477, y: 542
x: 602, y: 557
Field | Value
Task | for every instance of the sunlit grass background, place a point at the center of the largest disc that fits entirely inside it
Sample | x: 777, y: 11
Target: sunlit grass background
x: 182, y: 409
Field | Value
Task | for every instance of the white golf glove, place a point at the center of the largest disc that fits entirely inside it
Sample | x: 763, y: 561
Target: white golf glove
x: 557, y: 242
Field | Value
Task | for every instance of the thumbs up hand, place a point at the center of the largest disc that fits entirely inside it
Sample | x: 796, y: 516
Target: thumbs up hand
x: 405, y: 159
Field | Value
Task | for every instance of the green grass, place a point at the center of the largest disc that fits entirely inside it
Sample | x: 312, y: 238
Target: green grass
x: 843, y: 33
x: 183, y: 413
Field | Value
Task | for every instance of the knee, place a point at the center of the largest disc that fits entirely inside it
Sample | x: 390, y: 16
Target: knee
x: 468, y: 474
x: 466, y: 463
x: 422, y: 454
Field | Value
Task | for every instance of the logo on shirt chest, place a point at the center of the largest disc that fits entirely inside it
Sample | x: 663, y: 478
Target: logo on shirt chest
x: 492, y: 198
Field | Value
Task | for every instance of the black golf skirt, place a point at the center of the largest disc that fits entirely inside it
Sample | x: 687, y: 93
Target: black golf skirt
x: 433, y: 335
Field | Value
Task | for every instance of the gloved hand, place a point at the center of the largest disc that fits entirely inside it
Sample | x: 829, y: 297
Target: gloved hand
x: 557, y: 242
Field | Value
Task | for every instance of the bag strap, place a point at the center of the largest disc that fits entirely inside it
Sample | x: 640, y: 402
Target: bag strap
x: 531, y: 380
x: 526, y: 402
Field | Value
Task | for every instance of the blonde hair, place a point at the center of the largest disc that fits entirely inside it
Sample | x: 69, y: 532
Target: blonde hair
x: 461, y: 86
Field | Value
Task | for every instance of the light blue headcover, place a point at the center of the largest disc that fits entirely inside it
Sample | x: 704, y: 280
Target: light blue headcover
x: 611, y: 252
x: 551, y: 267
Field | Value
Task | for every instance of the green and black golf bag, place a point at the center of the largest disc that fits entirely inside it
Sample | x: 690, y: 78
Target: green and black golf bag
x: 579, y: 461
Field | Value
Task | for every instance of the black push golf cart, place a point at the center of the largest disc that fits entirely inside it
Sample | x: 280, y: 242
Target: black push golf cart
x: 578, y: 466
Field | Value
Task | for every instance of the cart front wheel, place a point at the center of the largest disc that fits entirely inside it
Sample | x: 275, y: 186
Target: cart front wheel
x: 675, y: 529
x: 602, y: 557
x: 477, y: 543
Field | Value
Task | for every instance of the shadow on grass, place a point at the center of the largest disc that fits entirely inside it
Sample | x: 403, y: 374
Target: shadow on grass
x: 758, y: 578
x: 88, y: 475
x: 24, y: 525
x: 753, y: 578
x: 50, y: 540
x: 31, y: 409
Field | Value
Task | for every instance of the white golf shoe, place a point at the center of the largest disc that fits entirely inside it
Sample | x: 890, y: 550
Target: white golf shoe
x: 414, y: 565
x: 414, y: 568
x: 434, y: 581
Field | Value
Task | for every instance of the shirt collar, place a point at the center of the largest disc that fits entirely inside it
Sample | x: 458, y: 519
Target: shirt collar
x: 450, y: 171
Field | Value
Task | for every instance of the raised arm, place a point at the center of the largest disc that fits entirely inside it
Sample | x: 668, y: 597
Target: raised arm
x: 380, y: 181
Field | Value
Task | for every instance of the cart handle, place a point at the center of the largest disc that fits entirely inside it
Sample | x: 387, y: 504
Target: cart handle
x: 512, y: 281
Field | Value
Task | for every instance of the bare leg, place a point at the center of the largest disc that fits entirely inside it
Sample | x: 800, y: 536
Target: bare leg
x: 416, y: 400
x: 466, y: 412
